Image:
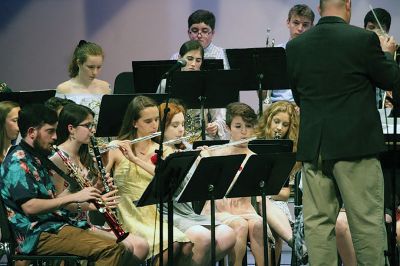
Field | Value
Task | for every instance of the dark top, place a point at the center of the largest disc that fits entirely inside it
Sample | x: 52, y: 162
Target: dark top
x: 333, y: 69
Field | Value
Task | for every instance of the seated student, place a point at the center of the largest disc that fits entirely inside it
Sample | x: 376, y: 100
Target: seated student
x: 74, y: 130
x: 133, y: 171
x: 239, y: 213
x: 280, y: 121
x: 8, y: 126
x: 196, y: 227
x: 384, y: 99
x: 57, y: 103
x: 37, y: 217
x: 193, y: 52
x: 201, y: 28
x: 84, y: 87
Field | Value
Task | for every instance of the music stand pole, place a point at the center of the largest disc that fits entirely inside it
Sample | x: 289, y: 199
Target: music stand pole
x: 160, y: 152
x: 265, y: 221
x: 260, y: 77
x: 212, y: 206
x: 202, y: 118
x: 393, y: 246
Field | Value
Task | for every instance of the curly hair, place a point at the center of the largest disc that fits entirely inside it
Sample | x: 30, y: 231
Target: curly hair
x: 263, y: 129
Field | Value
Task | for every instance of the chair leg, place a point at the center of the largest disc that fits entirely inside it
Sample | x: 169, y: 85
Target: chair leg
x: 273, y: 259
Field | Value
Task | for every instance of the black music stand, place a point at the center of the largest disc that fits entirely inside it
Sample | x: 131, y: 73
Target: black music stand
x: 205, y: 89
x: 168, y: 178
x: 263, y: 174
x: 27, y: 97
x: 266, y: 146
x: 146, y: 74
x: 262, y: 68
x: 210, y: 180
x: 112, y: 110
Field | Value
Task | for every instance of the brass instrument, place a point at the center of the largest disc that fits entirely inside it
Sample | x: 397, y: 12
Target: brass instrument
x: 116, y: 146
x: 109, y: 216
x: 267, y: 93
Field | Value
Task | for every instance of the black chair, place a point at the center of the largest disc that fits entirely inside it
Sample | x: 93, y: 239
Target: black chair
x: 8, y: 245
x: 123, y: 83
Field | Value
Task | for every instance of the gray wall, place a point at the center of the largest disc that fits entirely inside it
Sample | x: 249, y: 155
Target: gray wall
x: 37, y: 37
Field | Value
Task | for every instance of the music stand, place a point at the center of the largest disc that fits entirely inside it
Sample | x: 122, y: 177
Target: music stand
x: 212, y: 64
x: 265, y: 146
x: 209, y: 143
x: 210, y: 180
x: 27, y: 97
x: 262, y: 68
x: 205, y: 89
x: 113, y: 107
x: 262, y: 175
x: 146, y: 74
x: 169, y: 177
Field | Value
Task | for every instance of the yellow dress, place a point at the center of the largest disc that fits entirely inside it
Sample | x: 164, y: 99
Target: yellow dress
x: 132, y: 180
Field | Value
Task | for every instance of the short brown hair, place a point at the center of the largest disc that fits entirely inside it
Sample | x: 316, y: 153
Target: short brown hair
x: 240, y: 109
x: 301, y: 11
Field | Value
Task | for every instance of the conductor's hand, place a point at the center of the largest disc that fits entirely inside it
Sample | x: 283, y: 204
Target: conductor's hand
x: 87, y: 194
x: 212, y: 129
x: 388, y: 44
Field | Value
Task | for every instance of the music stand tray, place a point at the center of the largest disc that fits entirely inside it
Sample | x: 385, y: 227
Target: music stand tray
x: 27, y: 97
x: 265, y: 146
x: 262, y: 69
x: 207, y: 89
x: 147, y: 74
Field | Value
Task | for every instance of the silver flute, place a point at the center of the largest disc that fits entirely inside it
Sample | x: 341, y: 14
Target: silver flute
x: 116, y: 146
x: 233, y: 143
x: 177, y: 140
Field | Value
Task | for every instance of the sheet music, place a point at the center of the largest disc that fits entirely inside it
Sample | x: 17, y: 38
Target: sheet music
x: 238, y: 173
x: 187, y: 178
x: 388, y: 122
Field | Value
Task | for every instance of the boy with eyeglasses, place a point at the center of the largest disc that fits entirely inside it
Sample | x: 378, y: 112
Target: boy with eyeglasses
x: 201, y: 25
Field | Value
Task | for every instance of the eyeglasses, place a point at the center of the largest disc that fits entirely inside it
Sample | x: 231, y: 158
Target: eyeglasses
x: 89, y: 126
x: 203, y: 32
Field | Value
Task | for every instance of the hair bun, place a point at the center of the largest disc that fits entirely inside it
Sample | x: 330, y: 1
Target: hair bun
x: 82, y: 42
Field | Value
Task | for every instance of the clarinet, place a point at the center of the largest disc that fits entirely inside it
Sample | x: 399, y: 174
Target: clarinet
x: 100, y: 165
x: 109, y: 216
x: 278, y: 135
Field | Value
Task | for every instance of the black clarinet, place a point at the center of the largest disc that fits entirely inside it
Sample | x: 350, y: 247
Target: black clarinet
x: 100, y: 165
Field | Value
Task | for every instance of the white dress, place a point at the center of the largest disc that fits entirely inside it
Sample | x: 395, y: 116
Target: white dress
x: 92, y: 101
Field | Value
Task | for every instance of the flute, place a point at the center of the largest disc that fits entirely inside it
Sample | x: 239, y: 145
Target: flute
x: 233, y: 143
x: 116, y: 146
x: 178, y: 140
